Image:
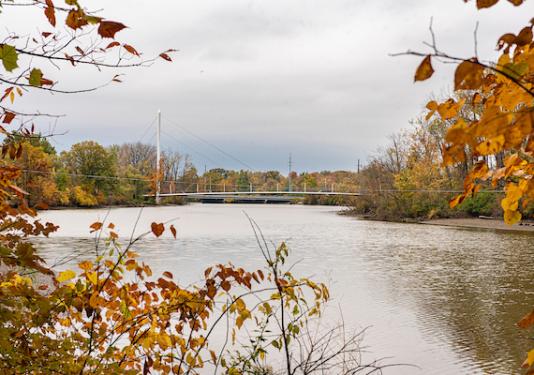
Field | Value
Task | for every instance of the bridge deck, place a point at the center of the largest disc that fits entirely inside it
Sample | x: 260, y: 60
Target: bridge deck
x: 232, y: 194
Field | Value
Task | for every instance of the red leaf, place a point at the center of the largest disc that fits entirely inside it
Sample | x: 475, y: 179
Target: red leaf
x: 50, y: 12
x: 130, y: 49
x: 46, y: 82
x: 113, y: 44
x: 8, y: 117
x: 165, y: 56
x: 108, y: 29
x: 6, y: 93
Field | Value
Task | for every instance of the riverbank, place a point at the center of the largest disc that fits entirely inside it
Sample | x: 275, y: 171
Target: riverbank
x: 479, y: 223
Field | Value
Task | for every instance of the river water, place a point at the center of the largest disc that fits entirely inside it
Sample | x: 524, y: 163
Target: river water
x: 440, y: 298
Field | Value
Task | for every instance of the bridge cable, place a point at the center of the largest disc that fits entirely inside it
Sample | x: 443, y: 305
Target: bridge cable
x: 202, y: 155
x: 227, y: 154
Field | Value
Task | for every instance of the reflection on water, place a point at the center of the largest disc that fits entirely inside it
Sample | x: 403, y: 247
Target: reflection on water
x: 442, y: 298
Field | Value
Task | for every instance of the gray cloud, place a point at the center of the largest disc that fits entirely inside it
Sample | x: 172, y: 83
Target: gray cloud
x: 265, y: 78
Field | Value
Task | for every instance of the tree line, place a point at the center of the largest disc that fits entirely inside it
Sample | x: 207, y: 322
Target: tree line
x: 409, y: 178
x: 89, y: 174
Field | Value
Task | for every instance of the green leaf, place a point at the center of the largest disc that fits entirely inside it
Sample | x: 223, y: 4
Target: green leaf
x: 35, y: 77
x: 9, y: 57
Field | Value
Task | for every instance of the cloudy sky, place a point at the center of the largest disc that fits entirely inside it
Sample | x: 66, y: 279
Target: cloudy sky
x: 261, y: 79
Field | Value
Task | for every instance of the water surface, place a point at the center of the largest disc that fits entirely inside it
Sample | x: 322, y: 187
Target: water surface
x: 441, y: 298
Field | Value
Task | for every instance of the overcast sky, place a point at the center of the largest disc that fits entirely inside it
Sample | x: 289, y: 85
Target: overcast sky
x: 261, y: 79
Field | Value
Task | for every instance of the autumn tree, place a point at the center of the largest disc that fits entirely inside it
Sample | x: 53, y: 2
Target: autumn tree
x: 502, y: 92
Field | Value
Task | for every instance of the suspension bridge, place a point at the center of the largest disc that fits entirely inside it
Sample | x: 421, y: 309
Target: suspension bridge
x: 233, y: 193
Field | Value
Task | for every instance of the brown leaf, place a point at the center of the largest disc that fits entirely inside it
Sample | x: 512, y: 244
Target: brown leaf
x: 46, y: 34
x: 425, y: 70
x: 486, y: 3
x: 50, y: 12
x: 173, y: 230
x: 226, y: 285
x: 516, y: 2
x: 131, y: 49
x: 524, y: 37
x: 157, y: 229
x: 108, y: 29
x: 167, y: 274
x: 468, y: 76
x: 76, y: 19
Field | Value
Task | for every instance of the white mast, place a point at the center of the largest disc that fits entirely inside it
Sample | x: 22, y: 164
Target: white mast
x: 158, y: 159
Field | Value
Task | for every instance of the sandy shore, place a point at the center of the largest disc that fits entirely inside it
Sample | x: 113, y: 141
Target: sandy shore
x: 493, y: 224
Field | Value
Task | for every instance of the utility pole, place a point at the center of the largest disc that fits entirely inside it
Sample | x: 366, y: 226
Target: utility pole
x: 289, y: 174
x: 158, y: 159
x: 358, y: 166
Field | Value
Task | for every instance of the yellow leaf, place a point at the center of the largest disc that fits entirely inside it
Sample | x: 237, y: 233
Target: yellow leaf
x: 511, y: 217
x: 491, y: 146
x: 509, y: 204
x: 425, y: 70
x: 530, y: 359
x: 92, y: 277
x: 65, y: 276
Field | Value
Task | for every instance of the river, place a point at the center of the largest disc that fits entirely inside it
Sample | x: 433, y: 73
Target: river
x: 444, y: 299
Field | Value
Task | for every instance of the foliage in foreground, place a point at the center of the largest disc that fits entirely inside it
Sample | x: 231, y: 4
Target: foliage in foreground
x: 112, y: 315
x: 502, y: 127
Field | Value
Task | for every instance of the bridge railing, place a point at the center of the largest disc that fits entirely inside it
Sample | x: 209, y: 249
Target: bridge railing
x: 172, y: 187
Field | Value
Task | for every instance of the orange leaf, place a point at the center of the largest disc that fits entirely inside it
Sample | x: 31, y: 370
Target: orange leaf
x: 108, y: 29
x: 157, y: 229
x: 456, y: 201
x: 95, y: 226
x: 425, y: 70
x: 469, y: 75
x: 527, y: 320
x: 486, y: 3
x: 173, y: 230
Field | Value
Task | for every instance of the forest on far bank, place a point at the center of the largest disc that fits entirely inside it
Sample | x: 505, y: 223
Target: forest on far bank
x: 402, y: 180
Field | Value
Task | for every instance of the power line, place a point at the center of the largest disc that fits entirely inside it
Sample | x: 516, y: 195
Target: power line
x: 227, y: 154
